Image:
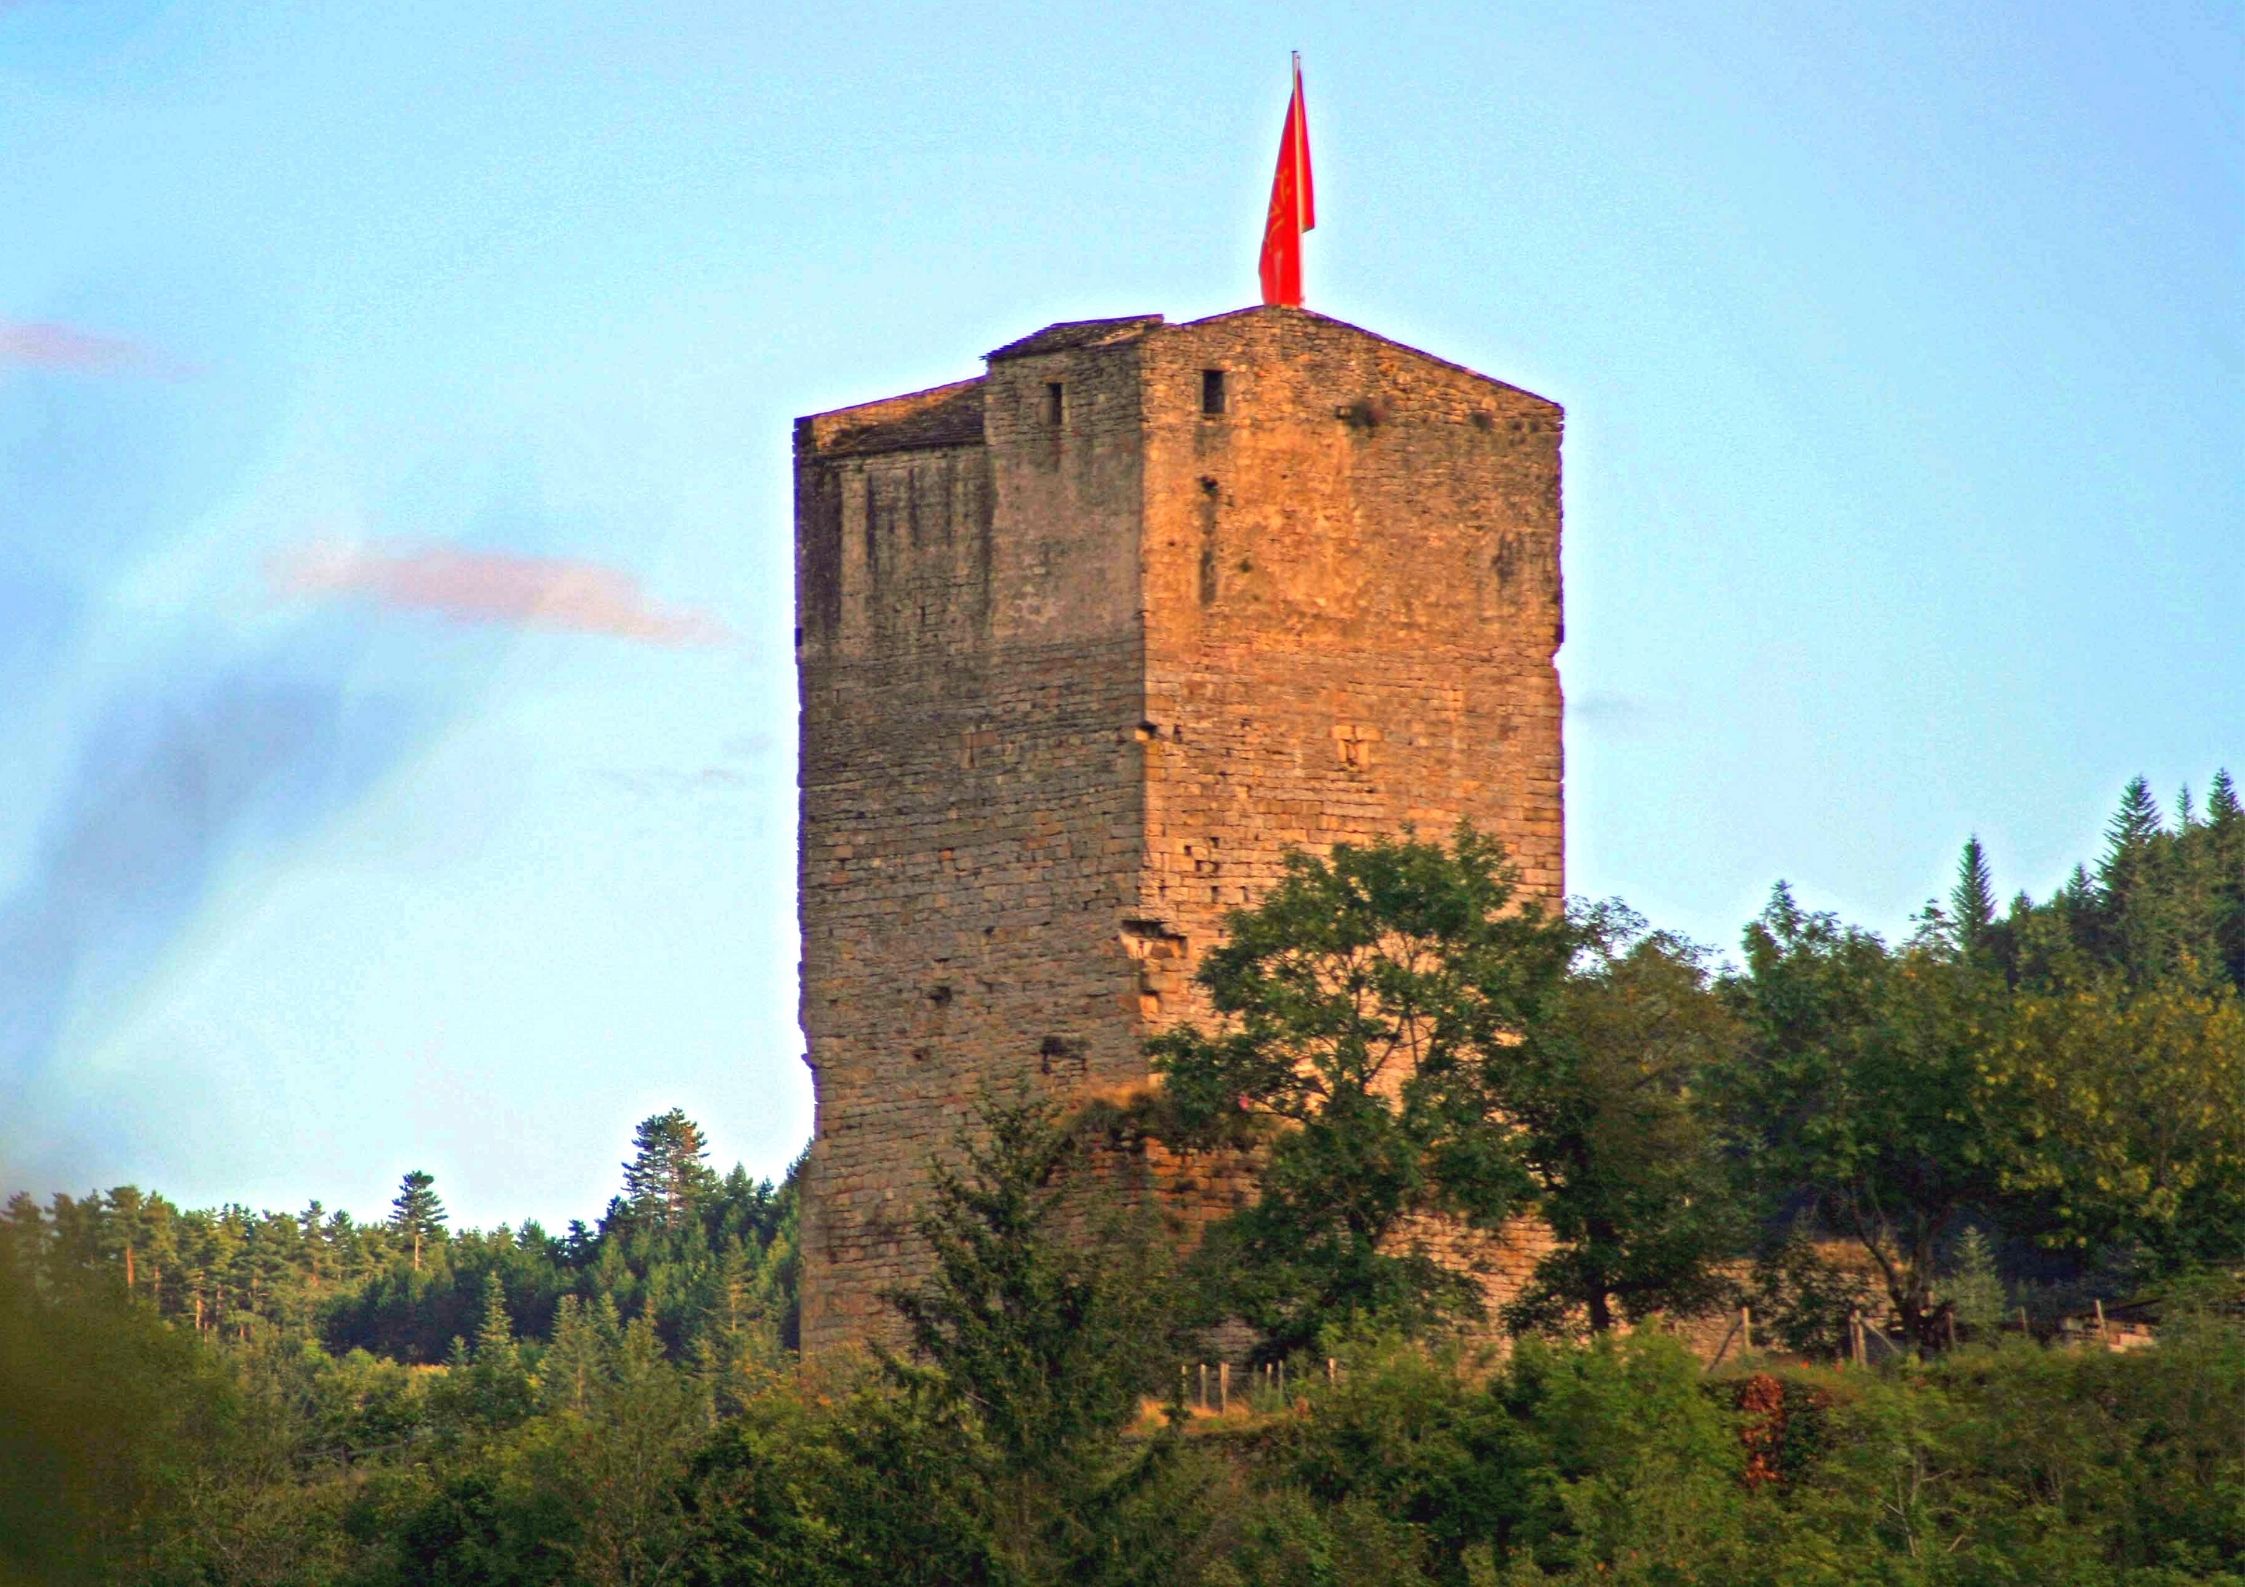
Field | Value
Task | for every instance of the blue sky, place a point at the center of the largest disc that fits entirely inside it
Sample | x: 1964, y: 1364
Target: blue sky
x: 396, y: 764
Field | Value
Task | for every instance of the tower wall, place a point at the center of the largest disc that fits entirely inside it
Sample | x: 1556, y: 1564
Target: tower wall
x: 1080, y: 660
x: 1352, y: 608
x: 970, y: 668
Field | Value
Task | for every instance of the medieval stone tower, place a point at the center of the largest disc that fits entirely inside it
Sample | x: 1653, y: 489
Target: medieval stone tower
x: 1087, y: 643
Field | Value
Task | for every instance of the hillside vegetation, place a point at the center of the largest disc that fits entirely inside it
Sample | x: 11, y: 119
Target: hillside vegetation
x: 2013, y: 1116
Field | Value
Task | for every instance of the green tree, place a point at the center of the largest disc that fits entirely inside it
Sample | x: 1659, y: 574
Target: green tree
x: 624, y: 1460
x: 1371, y: 1007
x: 2218, y: 857
x: 668, y: 1176
x: 1972, y: 903
x: 500, y: 1386
x: 1859, y: 1092
x: 2130, y: 1116
x: 1974, y: 1288
x: 1044, y: 1335
x: 418, y: 1212
x: 993, y: 1452
x: 1607, y: 1095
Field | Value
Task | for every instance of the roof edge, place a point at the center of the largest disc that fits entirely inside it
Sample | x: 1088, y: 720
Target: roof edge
x: 1063, y: 335
x: 1389, y: 341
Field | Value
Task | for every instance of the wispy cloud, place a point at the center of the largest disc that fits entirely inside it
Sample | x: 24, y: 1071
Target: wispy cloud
x: 491, y: 587
x: 177, y: 772
x: 1619, y: 711
x: 44, y: 345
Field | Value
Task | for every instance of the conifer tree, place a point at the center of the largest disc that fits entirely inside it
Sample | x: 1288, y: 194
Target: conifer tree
x: 417, y: 1213
x: 668, y: 1176
x: 1974, y: 1288
x: 2138, y: 920
x: 2129, y: 841
x: 2131, y: 829
x: 574, y: 1365
x: 2222, y: 807
x: 2221, y: 845
x: 499, y: 1388
x: 1972, y: 904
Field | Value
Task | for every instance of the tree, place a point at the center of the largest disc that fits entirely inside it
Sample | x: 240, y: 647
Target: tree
x: 994, y: 1451
x: 2222, y: 805
x: 499, y: 1387
x: 2218, y: 858
x: 1044, y: 1334
x: 1607, y: 1093
x: 1859, y: 1092
x: 1371, y: 1007
x: 418, y: 1213
x: 2140, y: 920
x: 2130, y: 1116
x: 668, y: 1176
x: 2129, y: 835
x: 622, y: 1463
x: 1972, y: 903
x: 1974, y: 1288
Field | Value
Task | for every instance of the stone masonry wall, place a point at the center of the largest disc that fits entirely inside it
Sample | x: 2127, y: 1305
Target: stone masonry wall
x: 972, y: 800
x: 1352, y: 595
x: 1079, y: 661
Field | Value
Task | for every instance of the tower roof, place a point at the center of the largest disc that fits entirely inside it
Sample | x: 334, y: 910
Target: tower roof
x: 1078, y: 333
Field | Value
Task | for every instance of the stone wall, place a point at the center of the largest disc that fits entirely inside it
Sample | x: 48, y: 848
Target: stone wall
x: 1352, y: 599
x: 1080, y: 659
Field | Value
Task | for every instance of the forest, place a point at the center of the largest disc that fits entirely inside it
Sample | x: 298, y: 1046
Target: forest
x: 1848, y: 1236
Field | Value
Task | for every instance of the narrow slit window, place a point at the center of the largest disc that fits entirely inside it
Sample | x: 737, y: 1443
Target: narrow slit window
x: 1212, y: 391
x: 1056, y: 403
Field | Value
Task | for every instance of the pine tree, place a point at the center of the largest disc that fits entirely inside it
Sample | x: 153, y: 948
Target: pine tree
x: 574, y: 1365
x: 1974, y: 1289
x: 2221, y: 843
x: 2133, y: 825
x: 668, y: 1176
x: 23, y: 1242
x: 1972, y: 904
x: 417, y: 1213
x: 500, y: 1391
x: 124, y: 1228
x: 495, y: 1334
x: 2140, y: 920
x: 2222, y: 807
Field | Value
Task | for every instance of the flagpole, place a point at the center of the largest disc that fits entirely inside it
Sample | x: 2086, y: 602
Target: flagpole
x: 1298, y: 115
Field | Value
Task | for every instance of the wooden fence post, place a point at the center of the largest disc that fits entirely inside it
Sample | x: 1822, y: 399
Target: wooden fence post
x: 1746, y: 1324
x: 1223, y: 1387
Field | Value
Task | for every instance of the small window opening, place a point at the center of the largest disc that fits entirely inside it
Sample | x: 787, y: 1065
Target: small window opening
x: 1056, y: 402
x: 1212, y: 391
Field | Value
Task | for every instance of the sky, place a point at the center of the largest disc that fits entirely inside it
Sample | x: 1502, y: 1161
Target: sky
x: 396, y: 699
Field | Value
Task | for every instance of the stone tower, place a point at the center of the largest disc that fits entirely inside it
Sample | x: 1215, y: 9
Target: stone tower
x: 1088, y: 642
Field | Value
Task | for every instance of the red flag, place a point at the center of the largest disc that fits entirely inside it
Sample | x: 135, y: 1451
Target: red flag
x: 1293, y: 205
